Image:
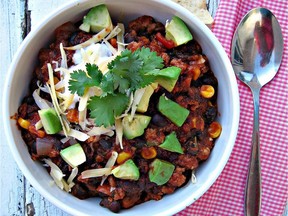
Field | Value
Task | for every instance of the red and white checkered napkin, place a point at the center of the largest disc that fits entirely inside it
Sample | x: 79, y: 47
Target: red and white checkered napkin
x: 226, y: 196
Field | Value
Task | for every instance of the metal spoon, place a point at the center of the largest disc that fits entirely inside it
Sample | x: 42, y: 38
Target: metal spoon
x: 256, y: 54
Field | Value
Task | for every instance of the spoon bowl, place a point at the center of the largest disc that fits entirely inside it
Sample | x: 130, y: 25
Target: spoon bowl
x: 257, y: 49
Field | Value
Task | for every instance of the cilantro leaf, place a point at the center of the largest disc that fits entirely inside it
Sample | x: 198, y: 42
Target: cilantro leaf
x: 151, y: 60
x: 94, y: 72
x: 79, y: 80
x: 105, y: 109
x: 127, y: 73
x: 107, y: 84
x: 129, y: 70
x: 124, y: 70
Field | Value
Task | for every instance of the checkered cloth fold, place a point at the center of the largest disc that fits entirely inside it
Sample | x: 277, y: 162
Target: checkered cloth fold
x: 226, y: 196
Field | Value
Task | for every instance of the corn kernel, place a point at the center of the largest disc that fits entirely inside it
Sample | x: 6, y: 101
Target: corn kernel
x: 207, y: 91
x: 196, y: 73
x: 214, y: 130
x: 123, y: 156
x: 198, y: 123
x: 23, y: 123
x: 148, y: 153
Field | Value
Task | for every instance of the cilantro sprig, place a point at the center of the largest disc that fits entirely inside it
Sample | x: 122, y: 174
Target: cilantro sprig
x: 127, y: 73
x: 104, y: 109
x: 80, y: 81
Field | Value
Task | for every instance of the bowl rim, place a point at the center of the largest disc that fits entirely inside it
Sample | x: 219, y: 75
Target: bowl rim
x: 11, y: 72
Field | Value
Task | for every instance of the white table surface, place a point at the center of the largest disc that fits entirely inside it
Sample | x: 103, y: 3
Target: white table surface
x: 17, y: 18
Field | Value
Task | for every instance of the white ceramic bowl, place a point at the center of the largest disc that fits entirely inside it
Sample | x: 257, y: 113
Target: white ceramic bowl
x: 228, y: 105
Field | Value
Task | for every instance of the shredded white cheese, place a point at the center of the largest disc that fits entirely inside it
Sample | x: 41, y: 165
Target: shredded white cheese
x: 110, y: 163
x: 55, y: 173
x: 113, y: 33
x: 63, y: 56
x: 137, y: 98
x: 193, y: 177
x: 65, y: 139
x: 83, y: 101
x: 82, y: 119
x: 65, y: 124
x: 70, y: 179
x: 41, y: 103
x: 97, y: 131
x: 96, y: 172
x: 120, y: 38
x: 111, y: 48
x: 78, y: 135
x: 119, y: 132
x: 42, y: 88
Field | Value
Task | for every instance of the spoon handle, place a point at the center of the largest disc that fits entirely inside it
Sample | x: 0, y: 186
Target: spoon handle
x: 253, y: 186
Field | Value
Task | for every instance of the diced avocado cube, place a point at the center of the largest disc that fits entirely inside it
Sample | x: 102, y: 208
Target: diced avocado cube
x: 135, y: 127
x: 168, y: 77
x: 171, y: 143
x: 160, y: 171
x: 73, y: 155
x: 97, y: 19
x: 50, y: 120
x: 127, y: 170
x: 144, y: 102
x: 173, y: 111
x: 85, y: 27
x: 177, y: 31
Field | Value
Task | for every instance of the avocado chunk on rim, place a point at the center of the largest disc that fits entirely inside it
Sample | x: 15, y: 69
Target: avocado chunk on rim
x: 177, y: 31
x: 96, y: 19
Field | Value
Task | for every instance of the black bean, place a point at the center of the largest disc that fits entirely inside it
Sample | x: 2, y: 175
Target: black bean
x: 79, y: 191
x: 33, y: 84
x: 209, y: 79
x: 192, y: 146
x: 29, y: 100
x: 105, y: 144
x: 139, y: 143
x: 159, y: 28
x: 114, y: 206
x: 210, y: 114
x: 72, y: 38
x: 33, y: 148
x: 159, y: 120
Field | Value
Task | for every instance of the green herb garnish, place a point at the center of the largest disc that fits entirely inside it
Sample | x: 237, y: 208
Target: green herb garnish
x: 127, y: 72
x: 80, y: 81
x: 104, y: 109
